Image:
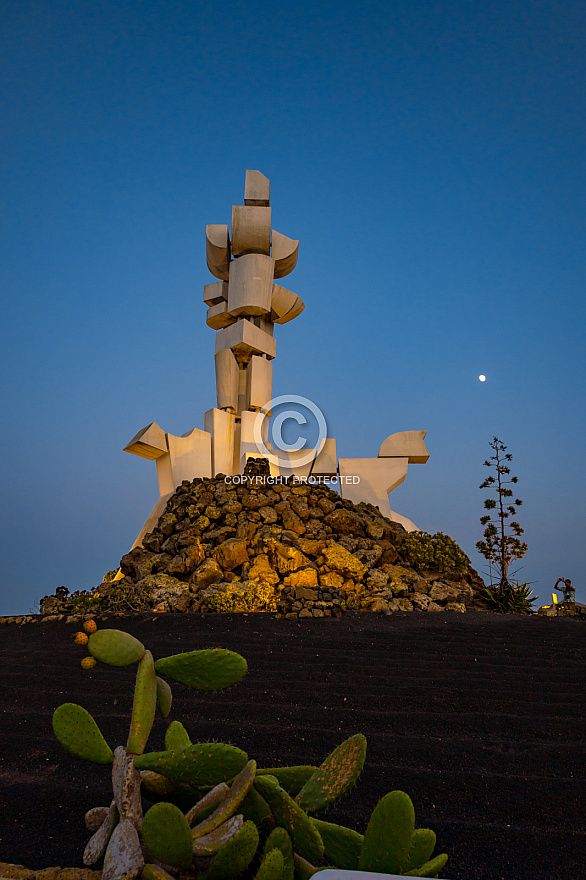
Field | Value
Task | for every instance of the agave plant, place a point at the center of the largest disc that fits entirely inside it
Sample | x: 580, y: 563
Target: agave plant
x: 214, y: 813
x: 510, y: 598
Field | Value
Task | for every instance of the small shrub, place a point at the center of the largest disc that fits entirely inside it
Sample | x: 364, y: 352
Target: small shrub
x: 439, y: 552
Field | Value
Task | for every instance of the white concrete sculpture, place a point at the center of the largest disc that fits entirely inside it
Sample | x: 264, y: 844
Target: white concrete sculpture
x: 244, y: 304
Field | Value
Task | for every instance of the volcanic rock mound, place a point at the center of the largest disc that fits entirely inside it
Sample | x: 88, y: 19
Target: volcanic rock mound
x: 293, y: 548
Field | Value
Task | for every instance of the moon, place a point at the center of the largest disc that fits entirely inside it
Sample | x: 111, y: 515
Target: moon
x: 482, y: 378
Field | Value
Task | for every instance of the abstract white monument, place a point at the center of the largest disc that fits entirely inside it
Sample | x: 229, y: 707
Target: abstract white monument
x: 244, y: 304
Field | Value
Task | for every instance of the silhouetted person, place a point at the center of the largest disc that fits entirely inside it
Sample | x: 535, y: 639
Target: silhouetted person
x: 568, y: 590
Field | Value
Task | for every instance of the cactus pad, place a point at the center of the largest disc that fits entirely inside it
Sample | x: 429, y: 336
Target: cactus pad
x: 271, y: 867
x: 176, y: 737
x: 144, y: 705
x: 279, y: 839
x: 209, y: 670
x: 292, y: 779
x: 235, y: 855
x: 432, y: 868
x: 337, y: 774
x: 387, y: 840
x: 342, y: 845
x: 164, y: 697
x: 167, y: 835
x: 77, y: 732
x: 154, y: 785
x: 208, y: 802
x: 254, y: 807
x: 115, y: 647
x: 230, y: 802
x: 202, y: 764
x: 211, y: 843
x: 421, y: 847
x: 154, y: 872
x: 289, y: 815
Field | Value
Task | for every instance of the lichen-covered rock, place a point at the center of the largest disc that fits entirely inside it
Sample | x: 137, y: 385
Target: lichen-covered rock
x: 344, y: 522
x: 231, y: 553
x: 305, y: 577
x: 341, y: 560
x: 261, y: 572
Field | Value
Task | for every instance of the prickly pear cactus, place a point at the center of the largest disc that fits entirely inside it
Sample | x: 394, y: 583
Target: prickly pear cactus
x: 292, y: 779
x: 211, y: 805
x: 271, y: 867
x: 202, y: 764
x: 176, y: 737
x: 292, y: 818
x: 235, y: 856
x: 167, y: 835
x: 391, y: 844
x: 115, y: 647
x: 210, y: 670
x: 164, y: 697
x: 230, y: 802
x: 335, y: 777
x: 77, y: 732
x: 144, y: 705
x: 280, y: 839
x: 342, y: 846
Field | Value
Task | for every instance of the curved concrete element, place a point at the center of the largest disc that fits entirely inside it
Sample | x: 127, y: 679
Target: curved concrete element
x: 284, y: 252
x: 219, y: 317
x: 250, y: 286
x: 251, y: 230
x: 285, y: 305
x: 218, y: 251
x: 405, y: 443
x: 215, y: 293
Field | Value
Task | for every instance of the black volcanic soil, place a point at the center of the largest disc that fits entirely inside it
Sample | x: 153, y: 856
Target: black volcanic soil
x: 476, y: 716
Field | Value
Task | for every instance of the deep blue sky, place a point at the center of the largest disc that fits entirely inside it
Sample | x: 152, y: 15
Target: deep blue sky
x: 430, y: 158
